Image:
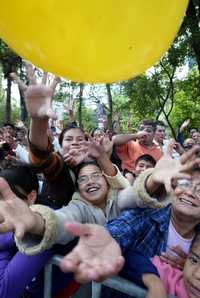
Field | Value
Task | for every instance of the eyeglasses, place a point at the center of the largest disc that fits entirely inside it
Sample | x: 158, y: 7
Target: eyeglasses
x: 187, y: 184
x: 85, y: 178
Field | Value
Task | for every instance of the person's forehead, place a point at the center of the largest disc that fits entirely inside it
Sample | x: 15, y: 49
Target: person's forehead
x: 189, y: 141
x: 98, y: 132
x: 192, y: 130
x: 89, y: 169
x: 160, y: 128
x: 196, y: 133
x: 142, y: 126
x: 74, y: 132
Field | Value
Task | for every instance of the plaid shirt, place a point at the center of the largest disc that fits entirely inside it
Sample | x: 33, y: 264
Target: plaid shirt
x: 144, y: 230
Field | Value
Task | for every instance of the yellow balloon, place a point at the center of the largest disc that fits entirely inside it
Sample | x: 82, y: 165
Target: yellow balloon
x: 91, y: 40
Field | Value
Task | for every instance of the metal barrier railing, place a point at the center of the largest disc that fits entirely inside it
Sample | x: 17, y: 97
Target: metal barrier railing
x: 48, y: 275
x: 116, y: 282
x: 119, y: 284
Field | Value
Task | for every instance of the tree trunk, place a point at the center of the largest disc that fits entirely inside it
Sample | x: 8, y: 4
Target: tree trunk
x: 80, y: 105
x: 8, y: 101
x: 23, y: 113
x: 193, y: 25
x: 109, y: 94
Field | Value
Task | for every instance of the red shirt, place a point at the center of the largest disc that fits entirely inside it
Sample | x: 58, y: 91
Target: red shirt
x: 130, y: 152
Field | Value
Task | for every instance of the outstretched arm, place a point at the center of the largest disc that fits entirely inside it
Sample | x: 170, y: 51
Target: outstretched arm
x: 121, y: 139
x: 96, y: 256
x: 168, y: 168
x: 154, y: 285
x: 99, y: 151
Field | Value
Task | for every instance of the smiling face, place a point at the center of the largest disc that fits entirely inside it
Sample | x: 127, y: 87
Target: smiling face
x: 98, y: 134
x: 92, y: 185
x: 141, y: 166
x: 191, y: 271
x: 186, y: 198
x: 72, y: 140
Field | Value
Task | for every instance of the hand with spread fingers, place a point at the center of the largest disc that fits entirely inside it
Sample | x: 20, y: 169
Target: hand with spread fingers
x: 15, y: 214
x: 38, y: 97
x: 174, y: 256
x: 96, y: 256
x: 167, y: 169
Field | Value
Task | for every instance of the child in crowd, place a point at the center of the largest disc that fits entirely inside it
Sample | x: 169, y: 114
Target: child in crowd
x: 143, y: 162
x: 161, y: 278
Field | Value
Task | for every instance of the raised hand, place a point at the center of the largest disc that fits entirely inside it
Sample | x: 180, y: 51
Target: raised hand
x: 141, y: 134
x: 184, y: 124
x: 69, y: 108
x: 168, y: 168
x: 15, y: 214
x: 74, y: 157
x: 174, y: 256
x: 38, y: 97
x: 107, y: 144
x: 95, y: 149
x: 97, y: 255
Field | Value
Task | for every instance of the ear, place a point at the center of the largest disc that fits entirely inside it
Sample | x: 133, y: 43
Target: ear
x: 31, y: 197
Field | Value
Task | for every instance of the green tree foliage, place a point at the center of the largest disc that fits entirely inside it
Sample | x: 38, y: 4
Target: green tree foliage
x: 187, y: 100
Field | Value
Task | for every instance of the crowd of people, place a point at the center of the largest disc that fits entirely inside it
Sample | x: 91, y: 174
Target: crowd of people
x: 132, y: 199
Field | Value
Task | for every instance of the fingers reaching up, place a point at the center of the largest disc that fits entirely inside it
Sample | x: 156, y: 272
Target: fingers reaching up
x: 96, y: 256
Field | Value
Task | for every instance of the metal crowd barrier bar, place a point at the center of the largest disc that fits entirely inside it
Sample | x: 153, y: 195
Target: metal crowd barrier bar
x: 48, y: 275
x: 119, y: 284
x: 116, y: 282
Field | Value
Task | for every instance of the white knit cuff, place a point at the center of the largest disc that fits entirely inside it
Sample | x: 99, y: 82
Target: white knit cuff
x: 145, y: 198
x: 118, y: 181
x: 32, y: 244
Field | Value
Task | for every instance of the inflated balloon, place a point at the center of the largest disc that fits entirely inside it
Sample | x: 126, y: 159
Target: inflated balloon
x: 91, y: 40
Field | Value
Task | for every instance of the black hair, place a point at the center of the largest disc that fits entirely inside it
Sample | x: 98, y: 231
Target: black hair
x: 194, y: 129
x: 68, y: 127
x: 82, y: 165
x: 21, y: 176
x: 160, y: 123
x: 95, y: 129
x: 148, y: 122
x: 9, y: 124
x: 146, y: 157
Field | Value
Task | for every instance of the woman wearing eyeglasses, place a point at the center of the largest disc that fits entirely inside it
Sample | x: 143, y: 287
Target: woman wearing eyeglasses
x: 97, y: 200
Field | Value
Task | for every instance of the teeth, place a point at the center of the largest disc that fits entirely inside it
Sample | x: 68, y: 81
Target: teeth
x: 92, y: 189
x: 186, y: 202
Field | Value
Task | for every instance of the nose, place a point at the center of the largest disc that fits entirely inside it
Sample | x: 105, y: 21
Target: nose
x: 89, y: 182
x: 190, y: 191
x: 75, y: 143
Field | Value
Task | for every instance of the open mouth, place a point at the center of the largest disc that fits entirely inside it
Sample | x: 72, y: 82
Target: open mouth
x: 93, y: 189
x: 187, y: 202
